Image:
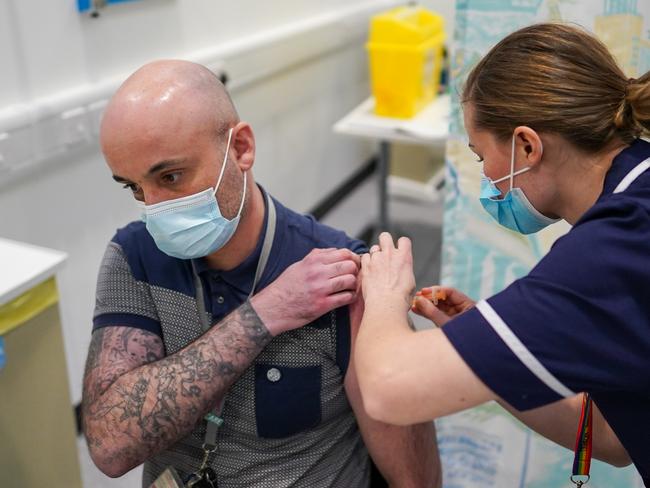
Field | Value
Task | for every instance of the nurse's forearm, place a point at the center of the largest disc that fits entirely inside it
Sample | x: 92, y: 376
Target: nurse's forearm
x: 382, y: 330
x: 129, y: 416
x: 559, y: 422
x: 406, y: 377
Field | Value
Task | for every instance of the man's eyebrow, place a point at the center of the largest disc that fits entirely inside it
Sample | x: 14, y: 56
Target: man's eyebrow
x: 156, y: 168
x: 163, y: 165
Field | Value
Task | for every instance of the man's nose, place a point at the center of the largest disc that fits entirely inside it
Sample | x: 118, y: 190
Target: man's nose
x: 152, y: 194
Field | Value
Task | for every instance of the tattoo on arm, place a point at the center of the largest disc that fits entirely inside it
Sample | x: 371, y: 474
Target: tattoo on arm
x: 137, y: 403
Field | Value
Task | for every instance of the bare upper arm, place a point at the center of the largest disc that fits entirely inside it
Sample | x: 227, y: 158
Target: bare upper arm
x: 113, y: 352
x: 350, y: 381
x: 417, y: 461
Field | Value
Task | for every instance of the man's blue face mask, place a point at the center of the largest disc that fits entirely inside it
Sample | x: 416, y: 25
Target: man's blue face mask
x: 514, y: 210
x: 192, y: 227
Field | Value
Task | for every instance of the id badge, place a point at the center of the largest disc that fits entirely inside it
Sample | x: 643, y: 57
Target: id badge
x: 168, y: 479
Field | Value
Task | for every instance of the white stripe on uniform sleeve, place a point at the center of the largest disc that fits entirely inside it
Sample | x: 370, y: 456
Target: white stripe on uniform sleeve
x: 632, y: 175
x: 521, y: 351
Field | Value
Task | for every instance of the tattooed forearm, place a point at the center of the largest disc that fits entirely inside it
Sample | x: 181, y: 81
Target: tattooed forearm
x: 137, y: 403
x: 114, y: 351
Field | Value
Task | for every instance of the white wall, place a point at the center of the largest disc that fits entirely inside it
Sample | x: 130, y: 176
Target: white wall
x: 446, y: 8
x: 296, y: 66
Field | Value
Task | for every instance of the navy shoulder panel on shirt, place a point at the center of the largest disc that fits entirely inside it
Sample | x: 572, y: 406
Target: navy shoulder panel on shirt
x: 149, y: 264
x: 302, y: 234
x: 318, y: 235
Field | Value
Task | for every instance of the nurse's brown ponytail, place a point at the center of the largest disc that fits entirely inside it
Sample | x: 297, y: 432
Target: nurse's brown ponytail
x: 638, y: 100
x: 560, y: 79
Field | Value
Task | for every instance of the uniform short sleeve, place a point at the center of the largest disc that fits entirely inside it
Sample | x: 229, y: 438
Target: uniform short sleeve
x: 580, y: 321
x: 121, y: 299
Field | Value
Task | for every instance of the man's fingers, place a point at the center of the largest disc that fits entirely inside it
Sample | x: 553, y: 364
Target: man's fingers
x: 340, y: 299
x: 341, y: 283
x: 318, y: 250
x: 335, y: 255
x: 341, y: 268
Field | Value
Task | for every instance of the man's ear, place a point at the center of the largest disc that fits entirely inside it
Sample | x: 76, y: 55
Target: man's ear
x: 243, y: 142
x: 528, y: 145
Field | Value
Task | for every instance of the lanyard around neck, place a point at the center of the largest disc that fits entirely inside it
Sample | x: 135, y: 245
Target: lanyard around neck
x: 259, y: 271
x: 214, y: 421
x: 582, y: 458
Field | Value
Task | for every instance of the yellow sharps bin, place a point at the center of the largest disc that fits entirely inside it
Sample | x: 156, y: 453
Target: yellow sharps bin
x: 405, y: 50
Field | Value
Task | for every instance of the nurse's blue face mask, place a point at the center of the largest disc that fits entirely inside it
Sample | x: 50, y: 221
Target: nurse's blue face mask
x: 514, y: 210
x: 192, y: 227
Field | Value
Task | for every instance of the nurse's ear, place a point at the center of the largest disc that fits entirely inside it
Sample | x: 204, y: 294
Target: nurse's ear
x: 528, y: 146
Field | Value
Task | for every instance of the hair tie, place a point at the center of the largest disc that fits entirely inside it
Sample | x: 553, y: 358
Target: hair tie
x: 624, y: 117
x: 623, y: 107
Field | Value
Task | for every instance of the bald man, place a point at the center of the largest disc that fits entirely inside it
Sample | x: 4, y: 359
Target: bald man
x: 223, y: 329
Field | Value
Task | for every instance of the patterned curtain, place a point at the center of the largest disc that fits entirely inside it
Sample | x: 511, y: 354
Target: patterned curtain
x: 486, y: 447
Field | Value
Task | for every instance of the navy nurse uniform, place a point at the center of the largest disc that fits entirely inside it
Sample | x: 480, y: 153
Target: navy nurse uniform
x: 580, y: 321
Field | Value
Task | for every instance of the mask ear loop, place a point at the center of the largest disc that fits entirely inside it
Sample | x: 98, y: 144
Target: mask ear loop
x: 223, y: 167
x: 225, y: 160
x: 243, y: 197
x: 513, y: 173
x: 512, y: 162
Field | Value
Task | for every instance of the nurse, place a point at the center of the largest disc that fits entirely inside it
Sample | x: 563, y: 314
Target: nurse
x: 556, y: 124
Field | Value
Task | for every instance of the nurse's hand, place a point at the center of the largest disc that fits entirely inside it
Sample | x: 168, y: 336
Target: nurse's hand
x: 445, y: 309
x: 387, y: 273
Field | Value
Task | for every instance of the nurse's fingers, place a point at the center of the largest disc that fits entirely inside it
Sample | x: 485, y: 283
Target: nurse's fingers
x: 448, y: 298
x: 386, y: 242
x: 404, y: 244
x: 425, y: 308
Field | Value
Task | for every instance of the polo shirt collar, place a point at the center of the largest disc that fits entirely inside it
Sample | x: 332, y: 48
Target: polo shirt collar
x: 243, y: 275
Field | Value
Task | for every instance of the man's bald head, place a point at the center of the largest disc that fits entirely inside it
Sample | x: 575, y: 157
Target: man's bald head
x: 165, y: 98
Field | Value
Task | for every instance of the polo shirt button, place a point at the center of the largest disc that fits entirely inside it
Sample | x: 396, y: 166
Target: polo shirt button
x: 273, y: 374
x: 220, y: 300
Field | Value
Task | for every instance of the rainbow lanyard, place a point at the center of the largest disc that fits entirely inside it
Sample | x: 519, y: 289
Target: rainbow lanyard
x: 582, y: 459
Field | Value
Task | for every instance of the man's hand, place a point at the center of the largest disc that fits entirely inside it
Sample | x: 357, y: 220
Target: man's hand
x: 324, y: 280
x: 445, y: 309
